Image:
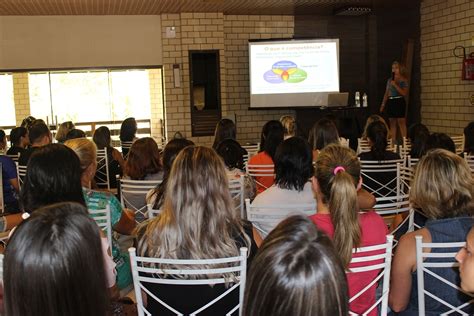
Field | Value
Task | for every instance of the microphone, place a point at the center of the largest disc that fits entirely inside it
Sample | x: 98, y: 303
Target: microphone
x: 393, y: 76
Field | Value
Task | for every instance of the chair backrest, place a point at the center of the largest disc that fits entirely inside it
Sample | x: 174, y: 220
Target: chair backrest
x: 133, y: 195
x: 470, y: 161
x: 459, y: 143
x: 406, y: 178
x: 411, y: 162
x: 2, y: 204
x: 126, y: 146
x: 14, y: 157
x: 443, y: 260
x: 267, y: 217
x: 102, y: 217
x: 377, y: 257
x: 156, y: 271
x: 236, y: 189
x: 252, y: 150
x: 258, y: 171
x: 364, y: 146
x: 382, y: 178
x: 21, y: 173
x: 102, y: 174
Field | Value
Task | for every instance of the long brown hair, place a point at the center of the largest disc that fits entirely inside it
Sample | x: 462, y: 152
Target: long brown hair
x: 198, y: 220
x: 338, y: 172
x: 143, y: 159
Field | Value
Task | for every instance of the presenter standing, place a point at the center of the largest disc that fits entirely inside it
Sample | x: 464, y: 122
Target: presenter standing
x: 394, y: 101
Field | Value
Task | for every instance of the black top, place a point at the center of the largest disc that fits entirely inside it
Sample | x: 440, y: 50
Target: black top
x: 189, y: 298
x: 25, y: 156
x: 13, y: 151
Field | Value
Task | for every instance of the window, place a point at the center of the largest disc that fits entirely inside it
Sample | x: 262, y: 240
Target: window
x: 7, y: 103
x: 87, y: 96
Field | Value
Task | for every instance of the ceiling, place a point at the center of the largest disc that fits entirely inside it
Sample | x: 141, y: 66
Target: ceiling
x: 154, y: 7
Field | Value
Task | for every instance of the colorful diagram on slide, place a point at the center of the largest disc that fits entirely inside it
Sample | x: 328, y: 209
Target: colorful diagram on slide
x: 285, y: 71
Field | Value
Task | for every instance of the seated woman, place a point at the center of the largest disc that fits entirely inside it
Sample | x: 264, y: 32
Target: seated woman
x: 271, y: 137
x: 122, y: 220
x: 116, y: 162
x: 296, y: 272
x: 469, y: 139
x: 444, y: 189
x: 440, y: 141
x: 19, y: 140
x: 336, y: 182
x: 323, y: 133
x: 128, y: 131
x: 370, y: 120
x: 143, y: 163
x: 289, y: 124
x: 75, y: 133
x: 466, y: 263
x: 197, y: 221
x: 58, y: 250
x: 54, y: 175
x: 225, y: 129
x: 63, y: 130
x: 418, y: 135
x: 233, y: 155
x: 11, y: 187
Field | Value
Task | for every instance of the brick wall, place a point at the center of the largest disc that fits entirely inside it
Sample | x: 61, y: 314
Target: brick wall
x: 444, y: 96
x: 229, y: 35
x: 21, y: 96
x: 156, y: 101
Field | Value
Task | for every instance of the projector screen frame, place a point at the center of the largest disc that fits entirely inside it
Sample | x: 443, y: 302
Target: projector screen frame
x: 289, y: 40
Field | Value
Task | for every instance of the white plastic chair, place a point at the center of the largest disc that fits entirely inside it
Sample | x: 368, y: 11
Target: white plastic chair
x: 260, y: 171
x: 158, y: 271
x: 126, y: 145
x: 459, y: 143
x: 444, y: 260
x: 411, y: 162
x: 236, y: 189
x: 133, y: 195
x: 470, y: 161
x: 372, y: 171
x: 102, y: 217
x: 252, y: 150
x: 364, y: 146
x: 102, y: 174
x: 21, y: 173
x: 267, y: 217
x: 368, y: 261
x: 14, y: 157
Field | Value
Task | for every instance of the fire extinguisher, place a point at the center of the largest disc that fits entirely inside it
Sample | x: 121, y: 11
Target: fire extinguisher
x: 467, y: 63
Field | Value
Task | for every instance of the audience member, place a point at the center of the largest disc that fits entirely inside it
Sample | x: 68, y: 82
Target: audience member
x: 271, y: 137
x: 156, y: 196
x: 336, y: 182
x: 75, y: 133
x: 444, y: 189
x: 440, y: 141
x: 323, y: 133
x: 103, y: 140
x: 225, y: 129
x: 192, y: 225
x: 39, y: 135
x: 63, y: 130
x: 233, y: 155
x: 370, y: 120
x: 28, y: 122
x: 51, y: 264
x: 143, y: 163
x: 3, y: 141
x: 11, y: 187
x: 296, y: 272
x: 377, y: 137
x: 19, y: 140
x: 418, y: 135
x: 293, y: 170
x: 122, y: 220
x: 466, y: 263
x: 469, y: 139
x: 128, y: 131
x: 53, y: 176
x: 289, y: 124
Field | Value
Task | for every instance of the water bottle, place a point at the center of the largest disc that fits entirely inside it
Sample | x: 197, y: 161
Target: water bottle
x: 364, y: 100
x: 357, y: 99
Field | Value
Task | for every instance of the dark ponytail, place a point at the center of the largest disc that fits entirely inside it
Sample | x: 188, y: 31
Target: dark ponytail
x: 377, y: 134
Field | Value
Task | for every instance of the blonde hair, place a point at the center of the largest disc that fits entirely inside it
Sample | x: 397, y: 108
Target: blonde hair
x: 289, y: 124
x: 443, y: 186
x: 63, y: 129
x: 403, y: 69
x: 339, y: 190
x: 85, y: 149
x: 198, y: 220
x: 370, y: 120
